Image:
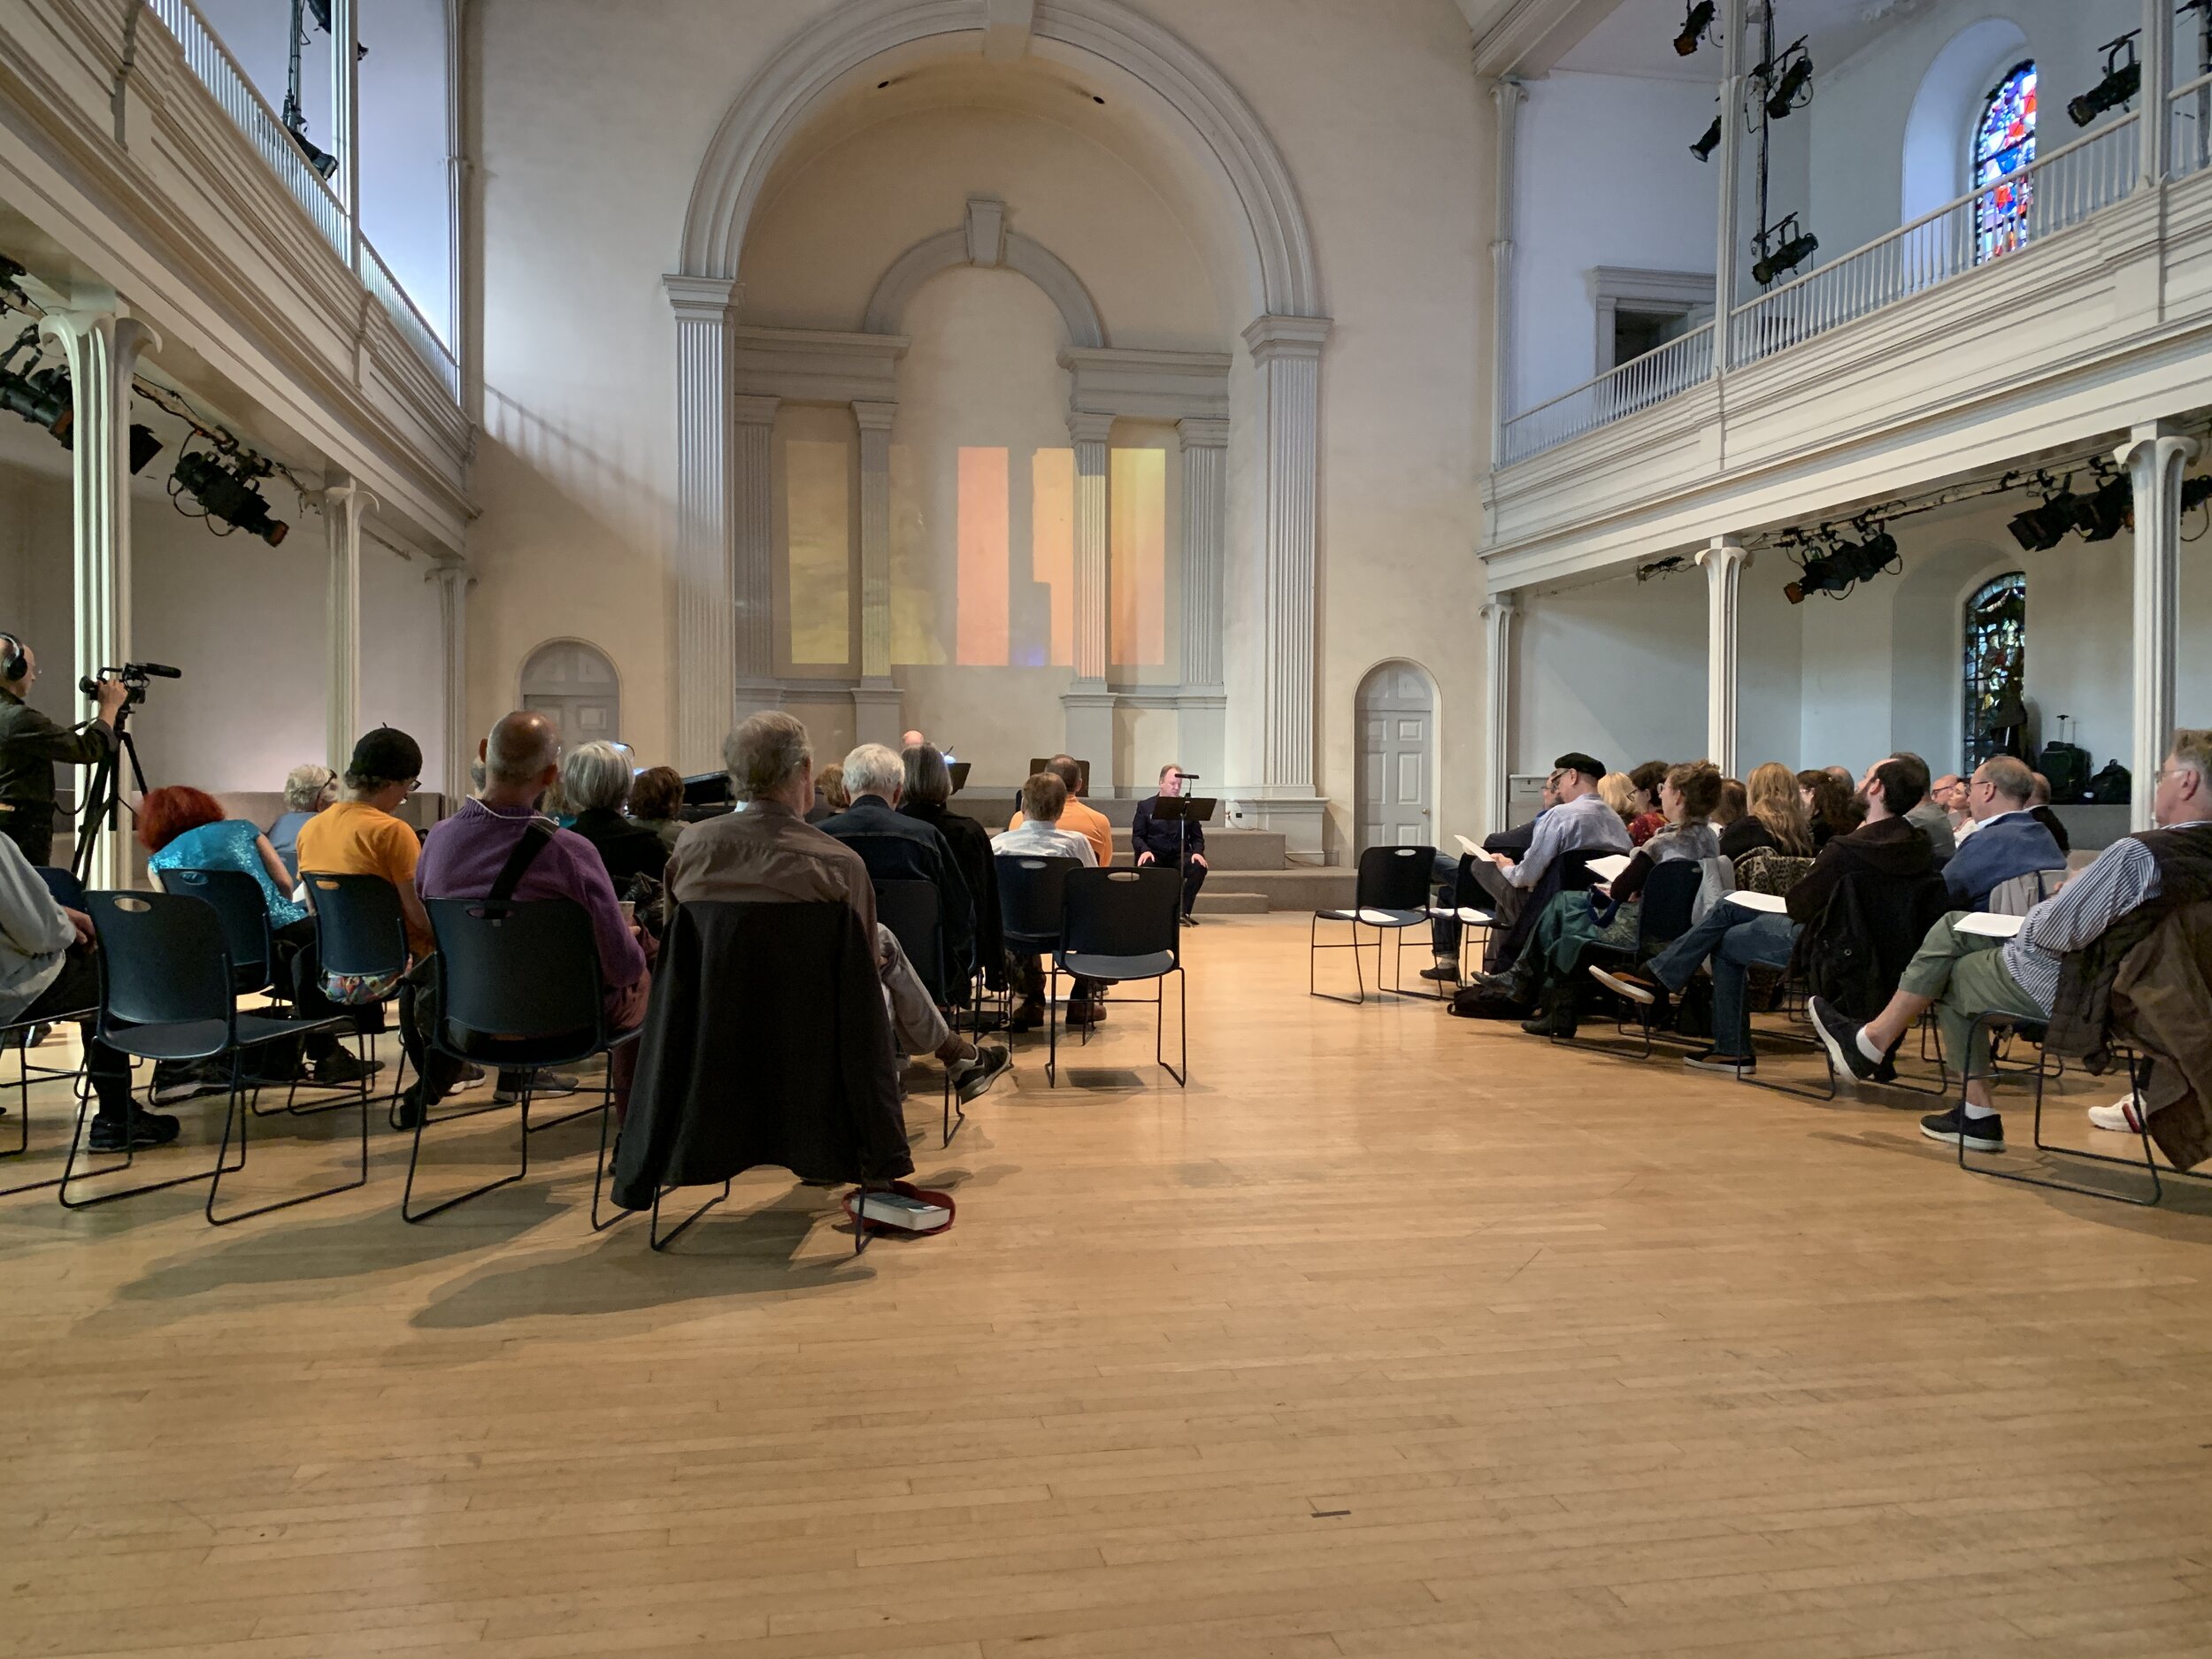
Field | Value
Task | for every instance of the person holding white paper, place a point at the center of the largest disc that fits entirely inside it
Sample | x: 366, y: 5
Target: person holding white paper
x: 1580, y: 823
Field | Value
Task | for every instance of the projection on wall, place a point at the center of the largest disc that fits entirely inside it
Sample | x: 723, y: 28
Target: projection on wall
x: 816, y: 486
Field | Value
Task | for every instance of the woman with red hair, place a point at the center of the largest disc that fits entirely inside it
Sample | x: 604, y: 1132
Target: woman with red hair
x: 184, y: 829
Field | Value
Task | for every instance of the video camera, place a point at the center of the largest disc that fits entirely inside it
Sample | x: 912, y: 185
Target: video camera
x: 134, y: 675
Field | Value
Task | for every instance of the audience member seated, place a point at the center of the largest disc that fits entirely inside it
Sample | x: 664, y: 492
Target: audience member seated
x: 184, y: 828
x: 307, y: 790
x: 2041, y: 811
x: 1580, y: 823
x: 1076, y: 815
x: 928, y: 800
x: 1444, y: 924
x: 1611, y: 914
x: 1646, y: 818
x: 1834, y: 808
x: 463, y: 858
x: 357, y: 835
x: 48, y: 968
x: 1963, y: 976
x: 1735, y: 801
x: 1036, y: 833
x: 1616, y: 792
x: 897, y: 847
x: 1735, y: 939
x: 1774, y: 817
x: 657, y: 803
x: 829, y: 798
x: 766, y: 853
x: 596, y: 779
x: 1159, y: 841
x: 1950, y: 793
x: 2007, y: 840
x: 1932, y: 820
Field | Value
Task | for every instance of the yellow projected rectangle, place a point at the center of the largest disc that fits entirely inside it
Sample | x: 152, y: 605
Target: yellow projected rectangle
x: 1052, y: 544
x: 816, y: 492
x: 981, y: 539
x: 1137, y: 510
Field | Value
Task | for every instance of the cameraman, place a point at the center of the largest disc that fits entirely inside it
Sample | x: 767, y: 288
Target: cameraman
x: 31, y: 746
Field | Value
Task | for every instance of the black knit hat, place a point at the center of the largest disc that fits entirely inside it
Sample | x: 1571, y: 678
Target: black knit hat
x: 1589, y: 766
x: 386, y: 754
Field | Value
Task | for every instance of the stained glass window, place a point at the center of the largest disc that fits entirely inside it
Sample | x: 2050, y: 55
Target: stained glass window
x: 1996, y: 669
x: 2004, y: 148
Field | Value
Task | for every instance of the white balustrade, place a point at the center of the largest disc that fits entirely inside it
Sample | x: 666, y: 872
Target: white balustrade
x: 1664, y: 371
x: 380, y: 282
x: 2190, y: 112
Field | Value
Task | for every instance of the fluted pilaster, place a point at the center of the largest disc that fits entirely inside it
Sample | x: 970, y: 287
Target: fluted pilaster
x: 1205, y: 446
x: 753, y: 514
x: 1498, y: 614
x: 1089, y: 433
x: 453, y: 632
x: 874, y: 421
x: 1724, y: 563
x: 343, y: 504
x: 1286, y: 360
x: 705, y: 557
x: 2154, y: 456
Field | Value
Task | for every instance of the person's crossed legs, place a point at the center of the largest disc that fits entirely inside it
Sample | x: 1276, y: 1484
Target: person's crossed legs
x: 919, y: 1028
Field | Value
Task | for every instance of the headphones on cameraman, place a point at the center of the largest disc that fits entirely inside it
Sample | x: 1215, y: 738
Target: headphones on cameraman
x: 12, y: 663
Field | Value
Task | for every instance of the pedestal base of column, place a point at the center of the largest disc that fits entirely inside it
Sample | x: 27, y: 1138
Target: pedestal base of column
x: 1303, y: 821
x: 878, y: 713
x: 1201, y: 721
x: 753, y: 695
x: 1089, y: 714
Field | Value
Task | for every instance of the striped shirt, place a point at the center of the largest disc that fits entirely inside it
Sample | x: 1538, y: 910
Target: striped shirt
x: 2125, y: 878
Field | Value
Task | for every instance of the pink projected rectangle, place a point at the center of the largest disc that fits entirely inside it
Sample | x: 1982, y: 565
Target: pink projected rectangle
x: 1137, y: 512
x: 982, y: 541
x: 1052, y: 544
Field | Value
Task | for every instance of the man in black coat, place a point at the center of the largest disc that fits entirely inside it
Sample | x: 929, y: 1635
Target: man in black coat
x: 899, y: 848
x: 1161, y: 840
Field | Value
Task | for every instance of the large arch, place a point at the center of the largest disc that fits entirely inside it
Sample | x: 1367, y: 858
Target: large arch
x: 1217, y: 125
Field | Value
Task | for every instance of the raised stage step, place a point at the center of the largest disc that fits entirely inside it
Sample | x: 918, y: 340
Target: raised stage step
x: 1213, y: 904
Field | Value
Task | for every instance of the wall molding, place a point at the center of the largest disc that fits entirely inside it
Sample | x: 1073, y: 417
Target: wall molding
x: 984, y: 242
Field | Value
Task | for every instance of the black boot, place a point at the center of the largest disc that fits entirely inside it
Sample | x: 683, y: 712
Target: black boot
x: 1554, y: 1014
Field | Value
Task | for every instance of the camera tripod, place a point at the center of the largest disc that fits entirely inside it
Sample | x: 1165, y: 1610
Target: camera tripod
x: 103, y: 799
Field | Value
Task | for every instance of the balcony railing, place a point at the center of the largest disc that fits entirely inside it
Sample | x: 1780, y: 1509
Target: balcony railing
x: 2189, y: 113
x: 2056, y: 193
x: 1662, y: 373
x: 219, y: 72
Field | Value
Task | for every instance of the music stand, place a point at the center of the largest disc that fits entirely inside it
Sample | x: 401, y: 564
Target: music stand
x: 958, y: 770
x: 1183, y: 811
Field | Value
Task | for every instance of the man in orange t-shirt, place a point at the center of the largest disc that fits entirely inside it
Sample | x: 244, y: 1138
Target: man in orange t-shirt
x: 1087, y: 822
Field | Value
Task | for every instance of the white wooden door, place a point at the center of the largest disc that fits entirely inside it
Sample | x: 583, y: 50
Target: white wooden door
x: 1397, y: 724
x: 575, y: 686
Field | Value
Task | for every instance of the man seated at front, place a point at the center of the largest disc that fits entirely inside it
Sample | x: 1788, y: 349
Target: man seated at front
x: 2006, y: 842
x: 766, y: 853
x: 1736, y: 938
x: 1580, y: 823
x: 1036, y: 832
x: 896, y: 848
x: 1964, y: 975
x: 465, y: 855
x: 1091, y: 825
x: 1444, y: 923
x: 1159, y: 841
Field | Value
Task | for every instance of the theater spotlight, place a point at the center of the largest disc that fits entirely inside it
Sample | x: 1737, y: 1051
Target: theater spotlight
x: 1704, y: 148
x: 228, y: 494
x: 2039, y: 529
x: 1695, y: 27
x: 2195, y: 491
x: 41, y: 398
x: 2122, y: 82
x: 1843, y: 567
x: 1790, y: 81
x: 2104, y: 515
x: 1781, y: 251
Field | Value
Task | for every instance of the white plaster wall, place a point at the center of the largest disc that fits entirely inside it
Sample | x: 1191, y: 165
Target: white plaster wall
x: 36, y: 604
x: 402, y: 657
x: 1616, y: 670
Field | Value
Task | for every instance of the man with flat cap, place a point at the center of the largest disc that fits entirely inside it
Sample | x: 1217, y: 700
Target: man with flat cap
x: 1581, y: 822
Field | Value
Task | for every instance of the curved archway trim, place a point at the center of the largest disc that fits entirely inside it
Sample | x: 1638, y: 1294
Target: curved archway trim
x: 951, y: 248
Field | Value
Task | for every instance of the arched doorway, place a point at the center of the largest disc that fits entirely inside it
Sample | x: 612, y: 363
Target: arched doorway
x: 576, y: 685
x: 1396, y: 716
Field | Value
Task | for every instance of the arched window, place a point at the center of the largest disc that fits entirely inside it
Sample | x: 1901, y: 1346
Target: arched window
x: 2004, y: 146
x: 1996, y: 669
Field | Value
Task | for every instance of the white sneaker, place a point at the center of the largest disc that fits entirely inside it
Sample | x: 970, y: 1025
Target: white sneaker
x: 2119, y: 1116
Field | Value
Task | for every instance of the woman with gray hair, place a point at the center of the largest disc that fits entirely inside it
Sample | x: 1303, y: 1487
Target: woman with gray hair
x: 595, y: 783
x: 307, y: 790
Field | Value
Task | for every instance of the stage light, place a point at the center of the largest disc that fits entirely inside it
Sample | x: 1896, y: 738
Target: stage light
x: 1796, y: 78
x: 1780, y: 252
x: 227, y: 493
x: 323, y: 162
x: 41, y: 398
x: 2121, y: 82
x: 2039, y: 529
x: 1843, y: 567
x: 1704, y: 148
x: 1695, y: 27
x: 2195, y: 491
x: 2104, y: 515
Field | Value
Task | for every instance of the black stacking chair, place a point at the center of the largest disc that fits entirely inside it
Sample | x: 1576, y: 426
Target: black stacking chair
x: 1122, y: 926
x: 69, y: 892
x: 519, y: 986
x: 62, y: 884
x: 1663, y: 913
x: 912, y: 911
x: 168, y: 992
x: 238, y: 899
x: 360, y: 930
x: 1392, y: 896
x: 1030, y: 895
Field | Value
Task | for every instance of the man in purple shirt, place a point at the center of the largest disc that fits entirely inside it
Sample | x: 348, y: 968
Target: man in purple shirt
x: 464, y: 855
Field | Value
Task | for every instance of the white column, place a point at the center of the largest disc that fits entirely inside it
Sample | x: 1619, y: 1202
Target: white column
x: 343, y: 503
x: 345, y: 113
x: 879, y: 711
x: 753, y: 513
x: 1498, y: 614
x: 1286, y: 360
x: 2153, y: 149
x: 1202, y: 704
x: 453, y: 632
x: 1723, y: 562
x: 1508, y: 95
x: 1734, y: 20
x: 102, y: 349
x: 1086, y: 704
x: 2154, y: 455
x: 703, y: 664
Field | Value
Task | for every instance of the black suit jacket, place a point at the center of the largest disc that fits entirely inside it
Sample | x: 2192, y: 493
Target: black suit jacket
x: 896, y: 848
x: 1156, y: 836
x: 627, y: 848
x: 971, y: 845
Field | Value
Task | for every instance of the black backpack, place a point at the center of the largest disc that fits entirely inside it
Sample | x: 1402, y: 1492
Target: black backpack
x: 2067, y: 766
x: 2112, y: 787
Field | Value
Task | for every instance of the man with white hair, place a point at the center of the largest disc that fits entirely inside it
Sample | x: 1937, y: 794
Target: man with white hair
x: 765, y: 852
x: 2007, y: 842
x: 897, y: 847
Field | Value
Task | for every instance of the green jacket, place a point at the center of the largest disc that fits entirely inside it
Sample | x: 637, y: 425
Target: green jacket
x: 31, y: 746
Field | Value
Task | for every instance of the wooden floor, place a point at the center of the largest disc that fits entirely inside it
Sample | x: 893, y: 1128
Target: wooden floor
x: 1393, y: 1335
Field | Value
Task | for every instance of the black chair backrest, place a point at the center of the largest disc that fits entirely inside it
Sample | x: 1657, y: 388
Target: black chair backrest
x: 1031, y: 886
x: 1123, y: 912
x: 359, y: 927
x: 1394, y: 878
x: 1669, y: 899
x: 913, y: 912
x: 164, y: 959
x: 238, y: 899
x: 63, y: 885
x: 519, y: 980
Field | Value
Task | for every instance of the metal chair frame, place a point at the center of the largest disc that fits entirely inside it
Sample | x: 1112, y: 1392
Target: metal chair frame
x: 1156, y: 876
x: 891, y: 915
x: 1387, y: 875
x: 1648, y: 942
x: 25, y: 1074
x: 328, y: 883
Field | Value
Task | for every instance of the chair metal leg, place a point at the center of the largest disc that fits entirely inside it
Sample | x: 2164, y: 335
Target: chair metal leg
x: 1052, y: 1027
x: 599, y: 1169
x: 130, y: 1123
x: 2137, y: 1067
x: 660, y: 1241
x: 1314, y: 947
x: 414, y: 1161
x: 955, y: 1115
x: 80, y: 1086
x: 530, y: 1128
x: 1159, y: 1034
x: 862, y: 1236
x: 232, y: 1114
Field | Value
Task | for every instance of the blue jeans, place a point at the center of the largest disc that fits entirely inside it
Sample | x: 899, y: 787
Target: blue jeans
x: 1737, y: 941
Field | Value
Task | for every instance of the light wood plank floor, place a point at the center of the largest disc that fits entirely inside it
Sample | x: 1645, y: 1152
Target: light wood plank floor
x: 1395, y: 1336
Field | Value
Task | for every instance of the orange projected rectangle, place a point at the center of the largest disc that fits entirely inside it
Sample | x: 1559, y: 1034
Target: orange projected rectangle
x: 981, y: 539
x: 1137, y: 512
x: 1052, y: 544
x: 816, y: 487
